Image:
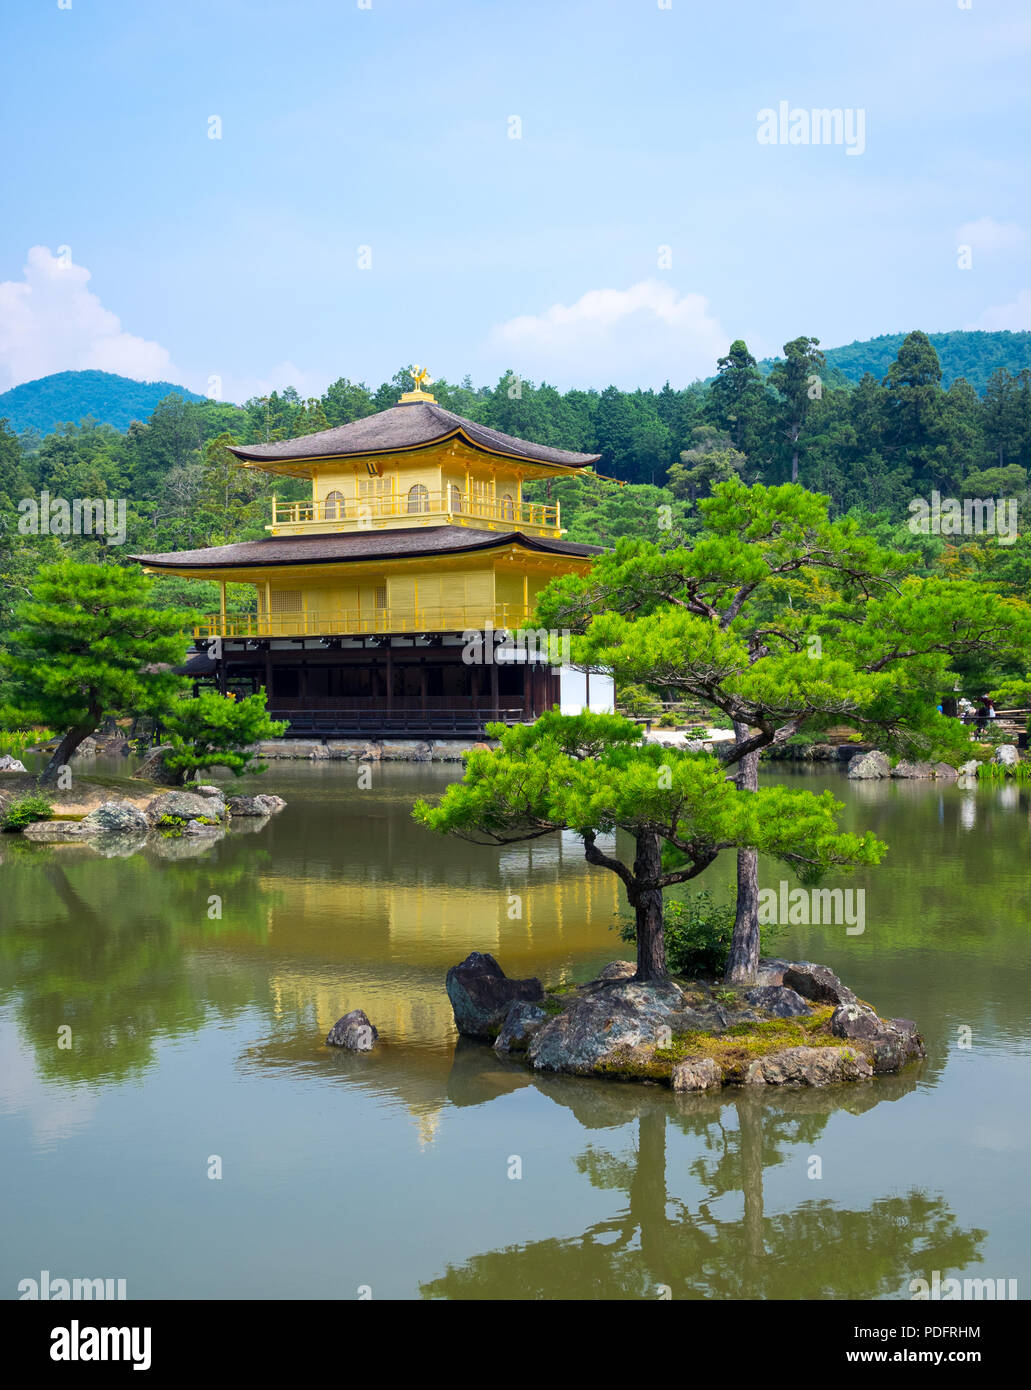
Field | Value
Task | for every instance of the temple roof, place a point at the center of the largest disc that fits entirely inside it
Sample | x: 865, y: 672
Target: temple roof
x: 401, y: 428
x: 342, y: 547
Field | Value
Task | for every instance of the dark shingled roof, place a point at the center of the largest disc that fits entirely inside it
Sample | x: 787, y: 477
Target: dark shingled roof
x: 411, y: 426
x: 359, y: 545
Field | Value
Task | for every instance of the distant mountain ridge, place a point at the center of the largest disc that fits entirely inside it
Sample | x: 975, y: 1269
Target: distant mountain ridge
x: 971, y: 353
x: 65, y: 397
x: 54, y: 400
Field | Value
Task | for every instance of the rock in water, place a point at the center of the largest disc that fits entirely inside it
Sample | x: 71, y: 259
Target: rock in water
x: 807, y: 1066
x: 481, y: 993
x: 353, y: 1031
x: 892, y: 1044
x: 9, y: 764
x: 869, y: 765
x: 777, y: 1000
x: 904, y: 768
x: 696, y: 1074
x: 522, y: 1021
x: 184, y: 806
x: 53, y: 831
x: 817, y: 983
x: 614, y: 1019
x: 261, y: 805
x: 115, y: 818
x: 1006, y: 755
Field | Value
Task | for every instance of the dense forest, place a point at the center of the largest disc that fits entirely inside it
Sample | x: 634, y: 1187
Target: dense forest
x: 872, y: 447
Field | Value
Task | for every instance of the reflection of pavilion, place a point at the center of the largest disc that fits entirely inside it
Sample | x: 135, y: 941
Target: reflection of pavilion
x: 367, y: 942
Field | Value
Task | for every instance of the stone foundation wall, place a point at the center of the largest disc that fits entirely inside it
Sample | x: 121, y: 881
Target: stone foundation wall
x: 401, y: 750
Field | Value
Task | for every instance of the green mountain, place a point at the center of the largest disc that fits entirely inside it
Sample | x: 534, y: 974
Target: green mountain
x: 970, y: 353
x: 72, y: 396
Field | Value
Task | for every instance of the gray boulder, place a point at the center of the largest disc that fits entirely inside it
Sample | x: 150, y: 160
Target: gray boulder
x: 208, y: 790
x: 9, y: 764
x: 115, y: 818
x: 945, y: 772
x: 869, y: 765
x: 87, y: 749
x: 808, y: 1066
x: 154, y: 769
x: 246, y: 806
x: 197, y: 827
x: 1006, y: 755
x: 614, y: 1020
x: 696, y: 1074
x: 183, y: 806
x: 481, y: 993
x: 817, y: 983
x: 271, y: 803
x: 969, y: 769
x: 778, y: 1000
x: 903, y: 768
x: 890, y: 1045
x: 522, y: 1021
x: 53, y: 831
x: 353, y: 1031
x: 618, y: 970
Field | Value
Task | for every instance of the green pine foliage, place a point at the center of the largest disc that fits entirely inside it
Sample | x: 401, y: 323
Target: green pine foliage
x: 215, y: 730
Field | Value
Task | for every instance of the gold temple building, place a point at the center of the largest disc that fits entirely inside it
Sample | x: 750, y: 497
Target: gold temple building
x: 416, y: 536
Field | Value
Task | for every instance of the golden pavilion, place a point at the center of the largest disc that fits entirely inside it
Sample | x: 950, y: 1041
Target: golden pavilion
x: 416, y: 535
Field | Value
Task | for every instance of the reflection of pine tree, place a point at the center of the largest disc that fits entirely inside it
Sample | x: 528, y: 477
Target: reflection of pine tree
x: 818, y: 1250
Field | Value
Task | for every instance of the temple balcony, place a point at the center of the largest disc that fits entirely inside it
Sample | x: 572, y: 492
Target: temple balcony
x: 422, y: 508
x: 342, y: 622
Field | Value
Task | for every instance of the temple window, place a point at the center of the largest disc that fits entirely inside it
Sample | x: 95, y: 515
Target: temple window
x: 418, y: 498
x: 454, y: 498
x: 334, y: 506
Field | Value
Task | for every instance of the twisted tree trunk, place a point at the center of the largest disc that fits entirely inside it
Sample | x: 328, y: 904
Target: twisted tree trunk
x: 646, y: 900
x: 743, y: 962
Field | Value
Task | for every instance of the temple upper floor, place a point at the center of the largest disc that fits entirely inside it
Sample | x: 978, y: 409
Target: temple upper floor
x: 414, y: 465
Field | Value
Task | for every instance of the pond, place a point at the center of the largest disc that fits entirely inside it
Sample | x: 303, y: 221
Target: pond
x: 199, y: 992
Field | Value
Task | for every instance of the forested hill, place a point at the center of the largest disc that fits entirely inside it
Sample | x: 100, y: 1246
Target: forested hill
x: 69, y: 397
x: 973, y: 354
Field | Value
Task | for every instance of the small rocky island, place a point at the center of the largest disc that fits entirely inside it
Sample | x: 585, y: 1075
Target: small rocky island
x: 798, y: 1025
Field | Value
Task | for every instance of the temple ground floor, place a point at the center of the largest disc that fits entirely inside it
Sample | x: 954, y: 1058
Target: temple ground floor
x: 392, y: 685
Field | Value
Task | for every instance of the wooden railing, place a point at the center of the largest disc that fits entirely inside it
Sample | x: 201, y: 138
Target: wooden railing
x: 368, y: 511
x: 354, y: 622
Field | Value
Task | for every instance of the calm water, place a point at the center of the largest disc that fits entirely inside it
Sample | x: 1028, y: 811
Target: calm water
x: 196, y: 1036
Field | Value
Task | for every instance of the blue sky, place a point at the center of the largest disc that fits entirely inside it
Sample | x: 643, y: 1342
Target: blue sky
x: 388, y: 127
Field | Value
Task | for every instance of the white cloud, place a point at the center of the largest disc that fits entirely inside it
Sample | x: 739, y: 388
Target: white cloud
x: 645, y: 334
x: 988, y: 235
x: 1015, y: 315
x: 50, y: 322
x: 277, y: 378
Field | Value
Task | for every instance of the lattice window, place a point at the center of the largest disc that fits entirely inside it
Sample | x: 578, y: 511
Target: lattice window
x: 418, y: 498
x: 287, y: 601
x: 335, y: 506
x: 454, y: 494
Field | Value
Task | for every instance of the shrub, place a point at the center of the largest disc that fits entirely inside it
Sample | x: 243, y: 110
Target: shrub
x: 698, y: 932
x: 25, y: 810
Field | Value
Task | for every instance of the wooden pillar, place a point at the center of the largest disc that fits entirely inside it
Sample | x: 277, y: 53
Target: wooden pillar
x: 422, y: 684
x: 268, y: 674
x: 494, y: 690
x: 222, y: 673
x: 527, y: 691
